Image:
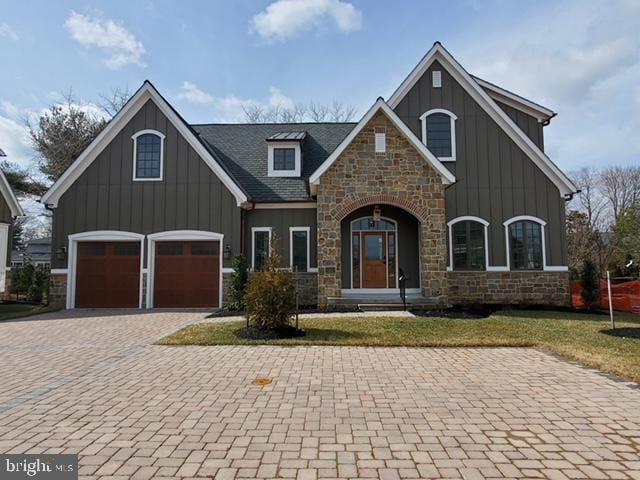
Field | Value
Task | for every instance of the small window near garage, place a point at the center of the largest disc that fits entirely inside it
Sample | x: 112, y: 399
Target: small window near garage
x: 299, y: 244
x: 204, y: 249
x: 170, y: 248
x: 261, y: 245
x: 127, y: 249
x: 148, y: 151
x: 92, y: 249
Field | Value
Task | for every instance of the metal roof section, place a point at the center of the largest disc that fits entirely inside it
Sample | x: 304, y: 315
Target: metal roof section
x: 287, y: 137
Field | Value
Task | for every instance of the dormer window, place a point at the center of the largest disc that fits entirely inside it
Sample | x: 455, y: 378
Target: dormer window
x: 148, y: 154
x: 285, y: 154
x: 284, y: 159
x: 439, y: 133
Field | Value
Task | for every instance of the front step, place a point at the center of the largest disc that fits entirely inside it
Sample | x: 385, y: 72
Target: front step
x: 386, y: 302
x: 381, y: 307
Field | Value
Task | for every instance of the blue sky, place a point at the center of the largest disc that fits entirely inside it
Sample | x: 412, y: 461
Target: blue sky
x: 582, y: 59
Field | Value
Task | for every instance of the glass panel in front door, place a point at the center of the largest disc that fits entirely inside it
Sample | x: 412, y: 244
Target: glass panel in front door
x: 373, y: 247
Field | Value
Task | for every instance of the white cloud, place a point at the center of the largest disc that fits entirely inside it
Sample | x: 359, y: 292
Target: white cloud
x: 583, y: 61
x: 231, y: 108
x: 284, y: 19
x: 120, y: 45
x: 192, y: 93
x: 8, y: 32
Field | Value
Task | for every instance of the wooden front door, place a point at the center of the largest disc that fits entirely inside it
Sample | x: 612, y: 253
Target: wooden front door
x: 374, y: 260
x: 108, y: 275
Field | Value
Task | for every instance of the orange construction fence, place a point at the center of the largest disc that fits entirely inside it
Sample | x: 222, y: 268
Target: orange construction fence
x: 625, y: 296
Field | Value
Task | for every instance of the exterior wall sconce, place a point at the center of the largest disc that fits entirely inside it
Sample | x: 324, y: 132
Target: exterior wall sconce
x: 377, y: 213
x: 227, y: 251
x: 61, y: 253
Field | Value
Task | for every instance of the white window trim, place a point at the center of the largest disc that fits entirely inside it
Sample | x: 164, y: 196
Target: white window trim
x: 184, y: 236
x: 97, y: 236
x: 470, y: 218
x: 296, y: 172
x: 543, y: 224
x: 135, y: 155
x: 308, y: 232
x: 253, y: 243
x: 452, y: 118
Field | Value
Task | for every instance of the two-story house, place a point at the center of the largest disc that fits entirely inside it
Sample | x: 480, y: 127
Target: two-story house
x: 446, y: 181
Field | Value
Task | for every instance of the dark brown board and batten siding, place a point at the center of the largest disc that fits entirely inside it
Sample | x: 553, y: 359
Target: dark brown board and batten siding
x: 280, y: 220
x: 495, y: 179
x: 105, y: 197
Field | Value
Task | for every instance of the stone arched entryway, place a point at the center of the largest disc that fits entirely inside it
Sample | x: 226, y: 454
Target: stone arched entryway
x: 399, y: 176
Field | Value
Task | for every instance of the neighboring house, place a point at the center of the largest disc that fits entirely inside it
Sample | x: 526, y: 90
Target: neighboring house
x: 9, y: 210
x: 447, y: 181
x: 37, y: 252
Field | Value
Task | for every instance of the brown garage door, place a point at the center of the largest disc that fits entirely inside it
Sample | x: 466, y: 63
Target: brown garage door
x: 108, y: 274
x: 187, y: 274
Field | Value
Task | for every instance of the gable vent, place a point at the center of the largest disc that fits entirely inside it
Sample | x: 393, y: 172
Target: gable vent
x: 436, y: 79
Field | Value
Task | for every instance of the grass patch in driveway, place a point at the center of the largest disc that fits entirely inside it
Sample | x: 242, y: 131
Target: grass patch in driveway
x: 573, y: 335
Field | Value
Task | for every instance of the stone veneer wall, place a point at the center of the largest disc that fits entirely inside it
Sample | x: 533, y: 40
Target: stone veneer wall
x: 510, y: 288
x: 58, y: 290
x: 400, y: 177
x: 307, y: 286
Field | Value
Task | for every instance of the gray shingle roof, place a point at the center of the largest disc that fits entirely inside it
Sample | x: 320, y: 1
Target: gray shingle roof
x: 242, y: 148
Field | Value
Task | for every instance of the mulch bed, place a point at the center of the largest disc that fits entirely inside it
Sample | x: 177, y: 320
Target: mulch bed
x: 626, y: 332
x: 254, y: 333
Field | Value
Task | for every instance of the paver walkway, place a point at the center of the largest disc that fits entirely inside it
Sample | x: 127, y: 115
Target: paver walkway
x: 94, y: 386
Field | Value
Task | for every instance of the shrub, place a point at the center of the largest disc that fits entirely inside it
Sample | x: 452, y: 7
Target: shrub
x: 238, y: 285
x: 271, y: 297
x: 21, y: 279
x: 39, y: 282
x: 590, y: 283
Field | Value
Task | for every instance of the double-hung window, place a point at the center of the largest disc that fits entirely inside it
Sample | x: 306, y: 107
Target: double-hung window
x: 148, y: 152
x: 260, y: 246
x: 299, y: 248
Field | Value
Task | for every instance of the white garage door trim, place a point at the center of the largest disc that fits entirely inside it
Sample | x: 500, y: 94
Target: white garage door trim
x: 97, y: 236
x: 184, y: 236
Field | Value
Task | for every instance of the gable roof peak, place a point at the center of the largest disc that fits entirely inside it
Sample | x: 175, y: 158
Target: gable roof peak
x: 146, y: 92
x: 477, y: 92
x: 380, y: 105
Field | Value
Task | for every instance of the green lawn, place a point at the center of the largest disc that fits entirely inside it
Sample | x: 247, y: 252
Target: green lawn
x: 573, y: 335
x: 17, y: 310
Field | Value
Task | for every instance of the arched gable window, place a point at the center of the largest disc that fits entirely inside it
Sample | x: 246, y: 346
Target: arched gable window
x: 148, y: 153
x: 525, y: 238
x: 439, y: 133
x: 468, y: 243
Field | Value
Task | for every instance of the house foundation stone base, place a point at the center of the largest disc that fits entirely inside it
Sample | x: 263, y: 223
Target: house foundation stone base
x: 307, y: 287
x: 58, y: 290
x: 510, y: 288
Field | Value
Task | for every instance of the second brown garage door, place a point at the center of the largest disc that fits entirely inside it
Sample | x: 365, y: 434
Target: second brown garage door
x: 187, y: 274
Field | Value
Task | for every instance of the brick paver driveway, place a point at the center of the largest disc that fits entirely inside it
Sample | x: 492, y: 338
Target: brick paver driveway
x: 74, y: 383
